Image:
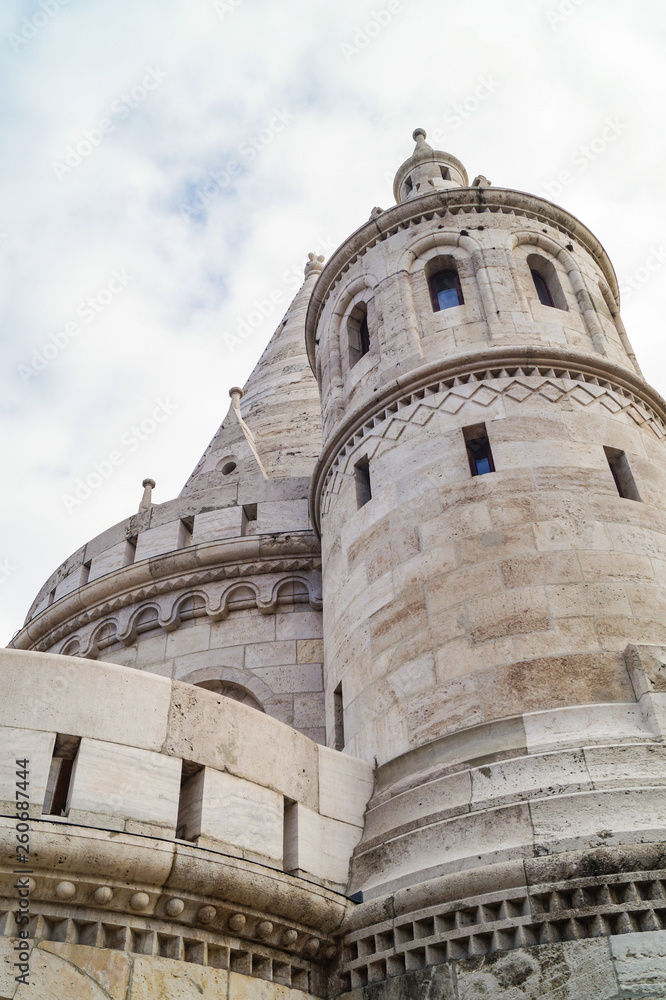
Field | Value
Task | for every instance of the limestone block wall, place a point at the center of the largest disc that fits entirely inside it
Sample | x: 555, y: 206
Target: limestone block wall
x: 537, y: 871
x: 135, y: 730
x: 468, y: 599
x: 212, y: 598
x: 450, y: 598
x: 281, y: 506
x: 203, y: 846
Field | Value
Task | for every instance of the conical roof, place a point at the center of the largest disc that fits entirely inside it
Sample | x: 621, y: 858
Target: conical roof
x: 279, y: 430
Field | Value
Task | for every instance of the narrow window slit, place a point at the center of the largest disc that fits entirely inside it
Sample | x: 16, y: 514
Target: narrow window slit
x: 188, y: 824
x: 249, y: 519
x: 543, y: 291
x: 59, y: 783
x: 185, y: 530
x: 479, y: 452
x: 338, y: 718
x: 130, y: 550
x: 358, y: 333
x: 622, y: 474
x: 363, y: 486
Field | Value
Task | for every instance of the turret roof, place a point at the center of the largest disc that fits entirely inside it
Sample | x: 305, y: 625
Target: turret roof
x: 279, y: 430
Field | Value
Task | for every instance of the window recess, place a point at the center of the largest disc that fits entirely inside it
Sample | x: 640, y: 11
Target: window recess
x: 479, y: 453
x: 59, y: 783
x: 618, y: 464
x: 363, y: 485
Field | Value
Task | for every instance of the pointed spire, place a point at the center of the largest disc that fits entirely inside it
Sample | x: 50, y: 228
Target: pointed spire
x: 273, y: 427
x: 427, y: 170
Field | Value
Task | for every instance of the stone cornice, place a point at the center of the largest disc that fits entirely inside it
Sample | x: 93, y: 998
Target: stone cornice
x: 454, y: 202
x: 145, y: 884
x: 191, y: 566
x: 477, y: 367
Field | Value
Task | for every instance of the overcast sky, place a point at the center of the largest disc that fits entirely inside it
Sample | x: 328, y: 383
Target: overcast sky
x: 170, y: 163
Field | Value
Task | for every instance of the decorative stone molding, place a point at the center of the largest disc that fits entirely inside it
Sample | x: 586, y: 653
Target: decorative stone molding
x: 295, y: 556
x: 448, y: 386
x: 196, y: 945
x: 235, y: 926
x: 566, y: 910
x: 214, y: 603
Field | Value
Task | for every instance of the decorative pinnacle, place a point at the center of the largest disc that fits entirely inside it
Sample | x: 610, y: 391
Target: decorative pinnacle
x: 147, y: 498
x: 236, y: 389
x: 314, y: 264
x: 419, y: 133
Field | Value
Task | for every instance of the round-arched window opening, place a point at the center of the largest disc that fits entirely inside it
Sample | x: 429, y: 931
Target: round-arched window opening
x: 228, y: 468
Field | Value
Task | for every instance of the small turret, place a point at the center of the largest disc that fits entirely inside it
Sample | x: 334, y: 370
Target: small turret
x: 427, y: 170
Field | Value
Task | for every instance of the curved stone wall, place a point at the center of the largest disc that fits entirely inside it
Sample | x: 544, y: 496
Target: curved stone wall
x: 195, y: 829
x: 242, y: 611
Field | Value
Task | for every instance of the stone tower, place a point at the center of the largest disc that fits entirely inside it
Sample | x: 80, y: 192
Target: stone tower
x: 461, y: 488
x: 491, y: 497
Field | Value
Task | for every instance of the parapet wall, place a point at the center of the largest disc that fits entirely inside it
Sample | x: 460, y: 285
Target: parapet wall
x: 196, y: 828
x: 135, y: 731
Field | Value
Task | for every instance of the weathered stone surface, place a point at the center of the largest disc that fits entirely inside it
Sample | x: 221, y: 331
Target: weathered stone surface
x: 431, y: 984
x: 244, y: 988
x: 54, y: 977
x: 109, y: 969
x: 577, y: 970
x: 135, y: 788
x: 640, y: 963
x: 163, y: 977
x: 109, y: 703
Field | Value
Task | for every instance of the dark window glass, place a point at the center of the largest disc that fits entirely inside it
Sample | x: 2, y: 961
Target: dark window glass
x: 445, y: 290
x: 480, y: 456
x: 543, y: 291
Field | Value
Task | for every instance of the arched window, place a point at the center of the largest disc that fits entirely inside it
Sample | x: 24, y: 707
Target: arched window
x: 358, y: 334
x: 546, y: 282
x: 445, y: 290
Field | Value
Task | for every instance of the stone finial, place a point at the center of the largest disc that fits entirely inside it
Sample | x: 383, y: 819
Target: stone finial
x: 481, y: 182
x: 147, y: 498
x: 376, y: 212
x: 314, y: 264
x: 236, y: 389
x: 427, y: 170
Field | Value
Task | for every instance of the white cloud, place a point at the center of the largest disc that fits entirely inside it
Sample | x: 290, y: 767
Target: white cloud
x: 316, y: 179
